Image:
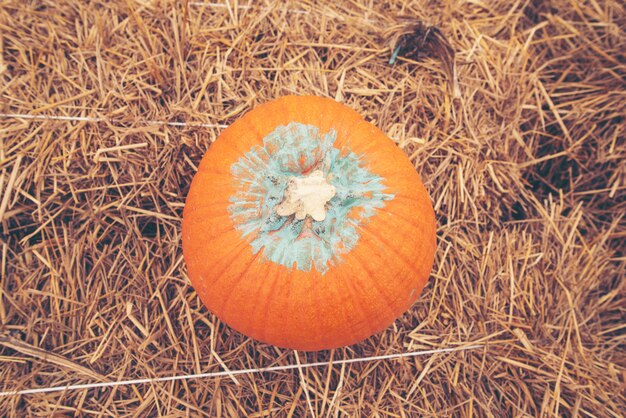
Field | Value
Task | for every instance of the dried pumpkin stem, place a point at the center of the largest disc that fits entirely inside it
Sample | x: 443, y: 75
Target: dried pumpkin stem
x: 307, y: 196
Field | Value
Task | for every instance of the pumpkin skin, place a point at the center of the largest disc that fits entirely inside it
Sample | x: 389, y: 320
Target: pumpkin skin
x: 302, y: 283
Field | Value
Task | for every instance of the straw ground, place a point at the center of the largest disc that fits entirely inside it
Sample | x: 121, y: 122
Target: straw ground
x: 526, y: 169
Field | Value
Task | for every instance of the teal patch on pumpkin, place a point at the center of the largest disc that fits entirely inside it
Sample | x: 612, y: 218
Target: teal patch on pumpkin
x: 262, y: 175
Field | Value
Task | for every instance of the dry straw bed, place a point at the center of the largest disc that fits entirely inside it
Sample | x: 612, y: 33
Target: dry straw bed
x: 526, y: 169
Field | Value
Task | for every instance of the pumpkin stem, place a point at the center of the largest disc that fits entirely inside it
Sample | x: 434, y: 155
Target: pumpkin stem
x: 307, y: 196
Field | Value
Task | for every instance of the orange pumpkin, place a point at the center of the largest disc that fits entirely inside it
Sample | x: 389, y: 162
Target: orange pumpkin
x: 306, y: 227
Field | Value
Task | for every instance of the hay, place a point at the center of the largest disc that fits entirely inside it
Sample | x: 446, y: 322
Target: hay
x: 526, y: 169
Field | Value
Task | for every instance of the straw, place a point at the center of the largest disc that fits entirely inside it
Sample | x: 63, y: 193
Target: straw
x: 108, y: 107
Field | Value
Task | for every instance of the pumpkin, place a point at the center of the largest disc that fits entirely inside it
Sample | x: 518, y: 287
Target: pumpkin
x: 306, y: 227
